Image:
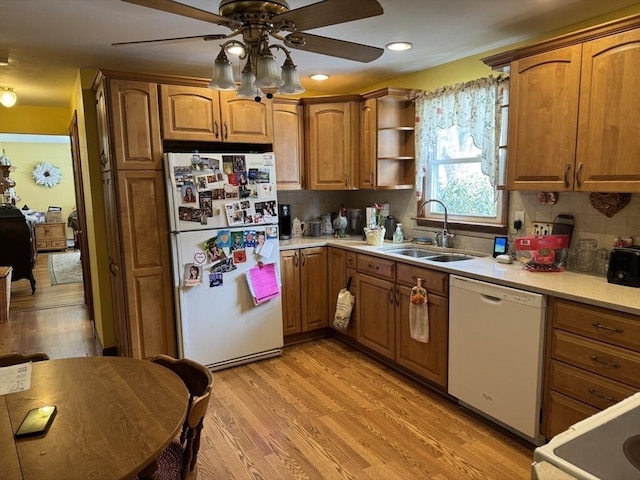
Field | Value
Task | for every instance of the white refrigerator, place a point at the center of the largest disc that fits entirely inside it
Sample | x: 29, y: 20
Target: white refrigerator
x: 223, y: 218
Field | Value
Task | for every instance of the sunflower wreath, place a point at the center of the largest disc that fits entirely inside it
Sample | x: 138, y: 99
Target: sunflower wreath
x: 46, y: 174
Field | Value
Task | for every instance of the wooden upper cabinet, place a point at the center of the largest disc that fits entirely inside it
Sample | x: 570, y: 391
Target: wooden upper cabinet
x: 190, y: 113
x: 574, y: 110
x: 543, y: 118
x: 244, y: 120
x: 332, y: 143
x: 202, y: 114
x: 135, y: 125
x: 608, y: 156
x: 288, y: 143
x: 369, y: 148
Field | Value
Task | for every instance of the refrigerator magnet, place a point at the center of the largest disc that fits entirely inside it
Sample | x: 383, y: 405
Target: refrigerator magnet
x: 193, y: 275
x: 215, y: 280
x: 239, y: 256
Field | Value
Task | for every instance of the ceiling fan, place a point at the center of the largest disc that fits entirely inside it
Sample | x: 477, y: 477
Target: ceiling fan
x: 255, y: 21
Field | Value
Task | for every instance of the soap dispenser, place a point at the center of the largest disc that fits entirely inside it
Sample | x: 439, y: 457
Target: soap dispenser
x: 398, y: 236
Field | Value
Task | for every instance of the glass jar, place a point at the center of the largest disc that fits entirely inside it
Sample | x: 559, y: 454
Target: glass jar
x: 587, y: 255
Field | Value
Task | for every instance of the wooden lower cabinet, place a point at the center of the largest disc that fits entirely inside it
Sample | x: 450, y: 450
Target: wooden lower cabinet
x: 50, y: 236
x: 592, y: 362
x: 304, y: 289
x: 339, y: 275
x: 376, y: 308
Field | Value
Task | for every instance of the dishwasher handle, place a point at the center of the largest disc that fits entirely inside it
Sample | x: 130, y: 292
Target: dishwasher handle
x: 491, y: 298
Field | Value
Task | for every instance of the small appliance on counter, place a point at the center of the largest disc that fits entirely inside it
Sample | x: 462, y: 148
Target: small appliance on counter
x: 284, y: 221
x: 624, y: 266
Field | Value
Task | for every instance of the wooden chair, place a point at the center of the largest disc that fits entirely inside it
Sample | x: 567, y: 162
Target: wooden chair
x: 14, y: 358
x: 179, y: 459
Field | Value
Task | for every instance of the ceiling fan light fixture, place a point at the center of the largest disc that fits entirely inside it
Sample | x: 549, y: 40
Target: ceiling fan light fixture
x: 319, y: 77
x: 292, y: 85
x: 8, y: 97
x: 248, y: 87
x: 268, y: 77
x: 222, y: 78
x: 399, y: 46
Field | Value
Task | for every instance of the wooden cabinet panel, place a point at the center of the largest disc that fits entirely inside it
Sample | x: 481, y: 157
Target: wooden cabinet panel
x: 608, y: 140
x: 563, y: 411
x: 305, y: 284
x: 288, y: 143
x: 244, y: 120
x: 594, y: 390
x: 291, y: 317
x: 435, y: 282
x: 50, y: 236
x: 543, y: 116
x: 190, y: 113
x: 379, y: 267
x: 339, y: 275
x: 332, y: 145
x: 616, y: 328
x: 428, y: 360
x: 135, y: 125
x: 104, y: 136
x: 613, y: 362
x: 376, y: 314
x: 369, y: 149
x: 144, y: 236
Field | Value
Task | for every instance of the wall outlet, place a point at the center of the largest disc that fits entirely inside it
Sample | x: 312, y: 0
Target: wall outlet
x: 542, y: 228
x: 519, y: 215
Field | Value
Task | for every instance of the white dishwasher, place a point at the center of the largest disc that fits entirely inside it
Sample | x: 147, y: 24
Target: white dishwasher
x: 496, y: 351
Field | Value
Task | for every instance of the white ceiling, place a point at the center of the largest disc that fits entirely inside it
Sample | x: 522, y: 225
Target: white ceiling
x: 48, y: 40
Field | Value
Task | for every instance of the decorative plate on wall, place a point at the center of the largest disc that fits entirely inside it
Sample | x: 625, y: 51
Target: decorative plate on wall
x: 46, y: 174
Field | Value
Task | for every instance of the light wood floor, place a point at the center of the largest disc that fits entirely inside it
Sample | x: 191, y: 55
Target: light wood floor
x: 53, y: 320
x: 321, y: 411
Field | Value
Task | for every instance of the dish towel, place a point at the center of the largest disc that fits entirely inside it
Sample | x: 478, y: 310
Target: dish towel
x: 419, y: 314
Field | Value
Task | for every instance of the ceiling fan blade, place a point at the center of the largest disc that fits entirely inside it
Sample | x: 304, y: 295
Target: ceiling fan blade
x: 330, y: 12
x: 184, y: 10
x: 172, y: 40
x: 333, y: 47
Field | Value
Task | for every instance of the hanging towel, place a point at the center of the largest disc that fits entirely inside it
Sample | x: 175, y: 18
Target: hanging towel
x: 419, y: 314
x: 344, y: 306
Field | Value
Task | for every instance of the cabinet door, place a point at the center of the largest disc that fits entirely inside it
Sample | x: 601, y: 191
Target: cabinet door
x: 543, y: 118
x: 608, y: 140
x: 376, y: 314
x: 290, y: 275
x: 339, y: 275
x: 429, y: 360
x: 245, y: 120
x: 313, y: 288
x: 332, y: 144
x: 369, y: 153
x: 144, y: 244
x: 190, y: 113
x: 135, y: 125
x: 288, y: 141
x: 102, y: 117
x: 116, y: 281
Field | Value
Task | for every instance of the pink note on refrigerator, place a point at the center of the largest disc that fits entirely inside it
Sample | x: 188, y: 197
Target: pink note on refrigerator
x: 264, y: 282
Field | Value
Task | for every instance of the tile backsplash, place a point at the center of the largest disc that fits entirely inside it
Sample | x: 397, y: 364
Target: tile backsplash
x: 589, y: 223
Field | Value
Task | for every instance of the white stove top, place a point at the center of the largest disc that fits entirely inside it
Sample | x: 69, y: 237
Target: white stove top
x: 605, y: 446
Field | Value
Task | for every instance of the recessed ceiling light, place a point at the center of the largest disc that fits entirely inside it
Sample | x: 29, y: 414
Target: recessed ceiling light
x: 4, y: 61
x: 319, y: 77
x: 399, y: 46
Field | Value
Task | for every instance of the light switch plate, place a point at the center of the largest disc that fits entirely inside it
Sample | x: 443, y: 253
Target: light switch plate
x: 542, y: 228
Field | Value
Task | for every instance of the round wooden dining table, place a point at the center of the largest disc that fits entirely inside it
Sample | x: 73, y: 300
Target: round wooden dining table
x: 115, y: 416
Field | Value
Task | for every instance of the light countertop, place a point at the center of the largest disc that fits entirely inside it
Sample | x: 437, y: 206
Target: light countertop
x: 589, y: 289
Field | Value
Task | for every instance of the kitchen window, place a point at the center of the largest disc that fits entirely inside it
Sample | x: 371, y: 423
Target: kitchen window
x: 461, y: 148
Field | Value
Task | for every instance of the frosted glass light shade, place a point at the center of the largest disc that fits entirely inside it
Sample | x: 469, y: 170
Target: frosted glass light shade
x: 248, y: 85
x: 222, y: 78
x: 8, y: 98
x: 267, y: 74
x: 291, y: 79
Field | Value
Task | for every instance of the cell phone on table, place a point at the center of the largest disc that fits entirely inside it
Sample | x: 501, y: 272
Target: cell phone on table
x: 37, y: 421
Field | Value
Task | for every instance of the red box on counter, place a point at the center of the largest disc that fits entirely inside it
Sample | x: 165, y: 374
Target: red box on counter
x: 548, y: 252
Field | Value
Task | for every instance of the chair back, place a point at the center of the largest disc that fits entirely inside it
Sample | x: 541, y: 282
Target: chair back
x: 199, y: 382
x: 14, y: 358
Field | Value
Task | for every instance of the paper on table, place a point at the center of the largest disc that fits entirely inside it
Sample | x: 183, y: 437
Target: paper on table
x: 15, y: 378
x: 263, y: 283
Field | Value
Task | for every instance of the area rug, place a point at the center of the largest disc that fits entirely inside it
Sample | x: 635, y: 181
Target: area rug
x: 65, y: 268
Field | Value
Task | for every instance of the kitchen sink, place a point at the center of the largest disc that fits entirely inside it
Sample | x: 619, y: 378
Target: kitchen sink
x: 411, y: 252
x: 449, y: 257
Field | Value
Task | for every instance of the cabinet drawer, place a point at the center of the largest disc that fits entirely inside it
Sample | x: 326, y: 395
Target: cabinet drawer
x: 434, y: 281
x: 616, y: 328
x: 562, y: 412
x: 41, y: 244
x: 597, y: 357
x: 377, y: 267
x: 597, y: 391
x: 58, y: 243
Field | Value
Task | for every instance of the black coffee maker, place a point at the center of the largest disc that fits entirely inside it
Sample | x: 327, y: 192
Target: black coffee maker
x: 284, y: 221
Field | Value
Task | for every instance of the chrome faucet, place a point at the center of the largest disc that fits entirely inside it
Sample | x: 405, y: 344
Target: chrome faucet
x: 444, y: 237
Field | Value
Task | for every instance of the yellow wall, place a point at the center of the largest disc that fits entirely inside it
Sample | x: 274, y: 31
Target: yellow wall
x: 24, y: 157
x: 41, y: 120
